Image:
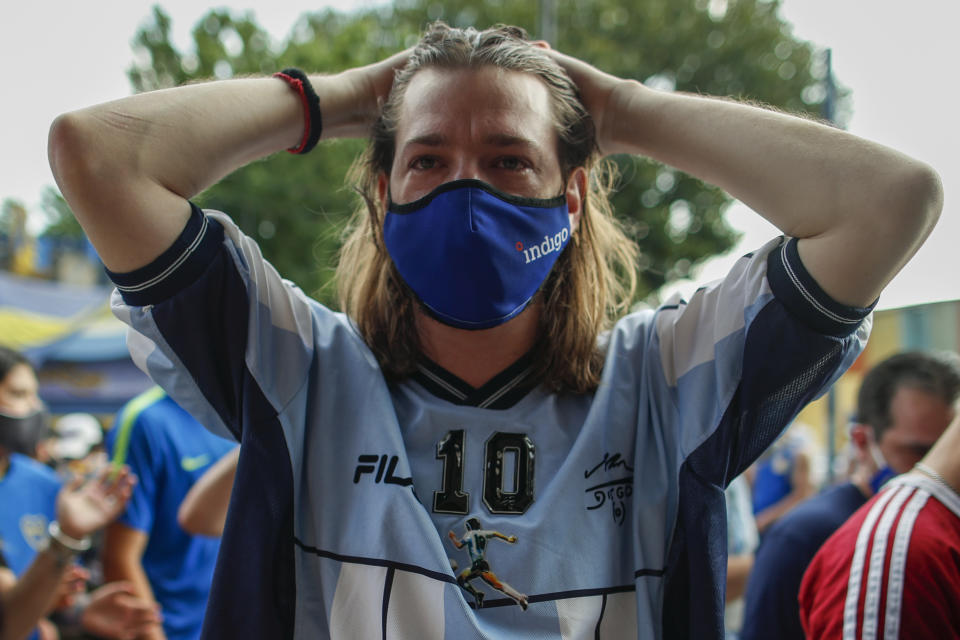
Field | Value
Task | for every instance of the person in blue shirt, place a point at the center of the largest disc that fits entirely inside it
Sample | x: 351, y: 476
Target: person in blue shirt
x: 146, y: 546
x: 31, y: 497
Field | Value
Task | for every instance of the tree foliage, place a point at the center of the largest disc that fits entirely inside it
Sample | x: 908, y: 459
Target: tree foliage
x: 62, y: 223
x: 297, y: 206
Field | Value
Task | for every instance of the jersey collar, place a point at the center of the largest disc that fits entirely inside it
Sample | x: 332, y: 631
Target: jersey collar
x: 502, y: 391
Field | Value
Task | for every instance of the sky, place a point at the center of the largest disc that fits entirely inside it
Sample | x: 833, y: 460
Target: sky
x: 898, y: 58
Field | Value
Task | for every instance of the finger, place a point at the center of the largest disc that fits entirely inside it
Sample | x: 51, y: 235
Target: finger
x: 139, y: 629
x: 113, y: 474
x: 119, y: 587
x: 75, y: 483
x: 126, y: 480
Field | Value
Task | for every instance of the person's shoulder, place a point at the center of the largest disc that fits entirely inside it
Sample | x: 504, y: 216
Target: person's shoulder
x: 811, y: 522
x: 828, y: 509
x: 141, y: 415
x: 30, y: 470
x: 936, y: 528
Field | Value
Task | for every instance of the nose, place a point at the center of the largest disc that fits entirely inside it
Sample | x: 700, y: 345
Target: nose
x: 465, y: 167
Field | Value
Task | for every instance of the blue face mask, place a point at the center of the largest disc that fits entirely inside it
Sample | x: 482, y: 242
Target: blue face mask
x: 474, y: 255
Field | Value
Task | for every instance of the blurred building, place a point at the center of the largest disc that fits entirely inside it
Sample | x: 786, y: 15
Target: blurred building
x: 78, y: 347
x: 930, y: 327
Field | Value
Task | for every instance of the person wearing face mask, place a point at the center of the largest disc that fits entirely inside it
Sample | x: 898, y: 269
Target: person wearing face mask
x: 481, y: 367
x: 893, y: 569
x: 28, y: 489
x: 904, y: 404
x: 36, y: 550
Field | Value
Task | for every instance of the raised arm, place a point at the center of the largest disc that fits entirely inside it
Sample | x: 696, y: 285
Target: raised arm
x: 860, y: 209
x: 82, y: 508
x: 128, y: 167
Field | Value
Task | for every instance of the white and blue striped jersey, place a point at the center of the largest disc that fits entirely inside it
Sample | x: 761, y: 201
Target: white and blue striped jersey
x: 610, y: 505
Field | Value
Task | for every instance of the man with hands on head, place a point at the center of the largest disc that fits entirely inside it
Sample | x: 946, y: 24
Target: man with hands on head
x: 480, y: 369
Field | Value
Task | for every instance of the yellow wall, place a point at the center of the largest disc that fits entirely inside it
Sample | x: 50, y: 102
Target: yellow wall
x: 934, y: 326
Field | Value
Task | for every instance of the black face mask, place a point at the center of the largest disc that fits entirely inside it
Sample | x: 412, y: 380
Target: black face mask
x: 21, y: 435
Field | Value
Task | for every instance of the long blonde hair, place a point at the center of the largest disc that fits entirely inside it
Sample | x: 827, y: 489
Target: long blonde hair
x: 591, y: 283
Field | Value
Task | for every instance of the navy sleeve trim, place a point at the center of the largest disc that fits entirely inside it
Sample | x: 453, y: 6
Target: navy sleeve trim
x: 175, y: 268
x: 793, y: 285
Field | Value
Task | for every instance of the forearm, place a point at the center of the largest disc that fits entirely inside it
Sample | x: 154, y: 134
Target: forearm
x: 126, y: 569
x: 33, y: 595
x: 127, y: 167
x: 780, y: 508
x: 738, y: 573
x: 204, y: 508
x: 862, y: 208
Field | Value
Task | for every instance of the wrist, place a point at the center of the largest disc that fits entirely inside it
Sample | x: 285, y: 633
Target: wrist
x: 348, y: 103
x: 626, y: 118
x: 74, y: 541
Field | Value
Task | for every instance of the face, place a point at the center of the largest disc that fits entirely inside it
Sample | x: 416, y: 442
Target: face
x: 919, y: 418
x: 489, y: 124
x: 18, y: 392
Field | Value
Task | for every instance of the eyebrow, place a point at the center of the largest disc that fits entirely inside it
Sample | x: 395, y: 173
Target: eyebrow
x: 494, y: 139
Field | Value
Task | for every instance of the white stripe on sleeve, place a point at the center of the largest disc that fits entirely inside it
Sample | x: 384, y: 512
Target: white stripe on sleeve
x: 898, y: 564
x: 856, y: 565
x: 878, y: 557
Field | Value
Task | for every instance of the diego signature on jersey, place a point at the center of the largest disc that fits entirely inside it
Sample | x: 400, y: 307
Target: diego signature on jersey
x: 614, y: 491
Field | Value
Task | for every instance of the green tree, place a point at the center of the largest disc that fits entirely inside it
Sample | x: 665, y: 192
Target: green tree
x: 13, y: 221
x: 62, y: 223
x: 296, y: 206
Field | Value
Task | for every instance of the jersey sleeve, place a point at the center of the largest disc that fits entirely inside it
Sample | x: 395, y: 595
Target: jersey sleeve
x: 746, y: 353
x: 129, y: 443
x: 216, y: 327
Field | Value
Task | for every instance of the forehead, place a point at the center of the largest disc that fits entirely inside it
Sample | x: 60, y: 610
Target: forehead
x: 918, y: 415
x: 19, y: 378
x: 471, y: 102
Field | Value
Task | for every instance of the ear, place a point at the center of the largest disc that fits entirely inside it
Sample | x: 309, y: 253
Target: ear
x: 576, y: 194
x: 859, y: 436
x: 383, y: 189
x: 863, y: 439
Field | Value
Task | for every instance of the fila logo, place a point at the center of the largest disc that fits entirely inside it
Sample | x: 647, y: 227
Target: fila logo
x: 384, y: 470
x: 549, y: 245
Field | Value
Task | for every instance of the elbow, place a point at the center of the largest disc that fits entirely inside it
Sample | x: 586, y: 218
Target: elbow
x: 194, y: 521
x: 63, y: 141
x: 185, y: 517
x: 917, y: 199
x: 71, y: 151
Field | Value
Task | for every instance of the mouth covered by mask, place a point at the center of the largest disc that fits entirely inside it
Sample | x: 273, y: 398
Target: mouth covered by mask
x: 473, y: 255
x: 22, y: 434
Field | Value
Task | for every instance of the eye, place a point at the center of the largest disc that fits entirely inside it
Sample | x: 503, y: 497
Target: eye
x: 512, y: 163
x: 423, y: 163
